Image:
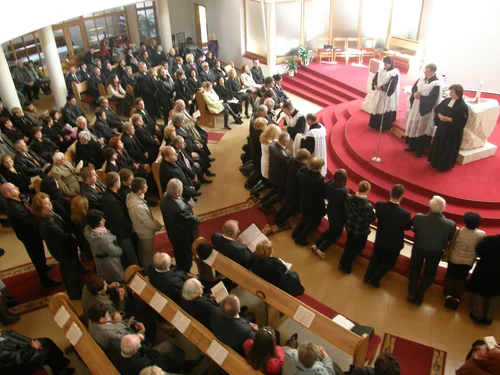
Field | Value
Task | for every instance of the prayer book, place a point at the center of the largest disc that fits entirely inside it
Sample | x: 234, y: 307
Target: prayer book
x: 219, y: 291
x: 217, y: 352
x: 252, y: 236
x: 74, y: 334
x: 181, y: 322
x: 197, y: 114
x: 61, y: 316
x: 137, y: 285
x: 343, y: 322
x: 304, y: 316
x: 158, y: 302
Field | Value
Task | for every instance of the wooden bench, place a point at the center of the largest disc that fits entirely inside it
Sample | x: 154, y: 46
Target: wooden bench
x: 103, y: 92
x: 88, y: 350
x: 198, y: 334
x: 70, y: 153
x: 277, y: 301
x: 155, y: 168
x: 206, y: 118
x: 82, y: 98
x: 407, y: 53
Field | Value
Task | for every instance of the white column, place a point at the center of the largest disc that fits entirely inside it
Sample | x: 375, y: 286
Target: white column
x: 271, y: 37
x: 51, y: 57
x: 164, y: 24
x: 133, y: 24
x: 7, y: 89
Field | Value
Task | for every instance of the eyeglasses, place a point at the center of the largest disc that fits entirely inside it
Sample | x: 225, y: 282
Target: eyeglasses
x: 267, y: 331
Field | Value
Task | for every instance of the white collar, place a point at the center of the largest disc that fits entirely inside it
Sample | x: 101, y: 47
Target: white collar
x: 228, y: 238
x: 390, y: 200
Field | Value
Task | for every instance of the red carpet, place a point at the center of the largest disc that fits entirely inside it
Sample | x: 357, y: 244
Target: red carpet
x: 415, y: 358
x: 215, y: 136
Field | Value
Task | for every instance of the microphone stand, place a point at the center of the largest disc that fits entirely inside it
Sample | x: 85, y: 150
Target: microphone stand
x: 376, y: 158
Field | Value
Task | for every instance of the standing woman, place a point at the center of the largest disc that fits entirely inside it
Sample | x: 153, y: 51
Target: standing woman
x: 213, y: 45
x: 385, y: 96
x: 193, y: 84
x: 181, y: 89
x: 450, y: 117
x: 60, y: 242
x: 79, y: 210
x: 268, y: 136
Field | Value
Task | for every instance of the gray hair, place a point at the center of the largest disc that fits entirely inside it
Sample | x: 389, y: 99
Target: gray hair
x: 177, y: 139
x: 179, y: 101
x: 85, y: 135
x: 152, y: 370
x: 432, y: 67
x: 142, y: 64
x: 81, y: 120
x: 127, y: 69
x: 269, y: 102
x: 18, y: 143
x: 101, y: 99
x: 162, y: 261
x: 177, y: 119
x: 127, y: 126
x: 130, y: 344
x: 192, y: 289
x: 261, y: 109
x: 437, y: 204
x: 58, y: 156
x: 230, y: 228
x: 284, y: 137
x: 174, y: 187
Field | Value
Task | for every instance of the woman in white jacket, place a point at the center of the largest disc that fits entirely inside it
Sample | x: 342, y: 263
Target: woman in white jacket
x: 247, y: 81
x: 270, y: 135
x: 117, y: 94
x: 216, y: 105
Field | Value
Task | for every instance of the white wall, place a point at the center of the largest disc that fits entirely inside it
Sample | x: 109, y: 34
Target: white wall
x: 461, y: 38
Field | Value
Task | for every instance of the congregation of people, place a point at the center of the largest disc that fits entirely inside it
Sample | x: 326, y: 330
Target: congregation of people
x: 98, y: 207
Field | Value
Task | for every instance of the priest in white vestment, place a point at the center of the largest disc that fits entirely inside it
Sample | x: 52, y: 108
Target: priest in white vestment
x: 426, y: 95
x: 315, y: 140
x: 385, y: 96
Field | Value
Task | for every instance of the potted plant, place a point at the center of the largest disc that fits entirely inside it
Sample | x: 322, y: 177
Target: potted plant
x: 291, y: 66
x: 304, y: 54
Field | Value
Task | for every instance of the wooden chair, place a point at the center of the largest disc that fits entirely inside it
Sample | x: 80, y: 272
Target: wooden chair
x: 199, y: 335
x: 103, y: 92
x: 324, y: 52
x: 70, y: 153
x: 155, y: 168
x: 339, y: 48
x: 352, y: 49
x: 367, y: 47
x: 36, y: 185
x: 101, y: 174
x: 206, y: 118
x: 82, y: 97
x: 407, y: 53
x: 87, y: 349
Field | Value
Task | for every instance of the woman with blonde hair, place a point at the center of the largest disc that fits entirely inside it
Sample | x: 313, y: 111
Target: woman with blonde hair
x: 60, y: 242
x: 274, y: 270
x: 216, y: 105
x: 269, y: 135
x: 247, y: 79
x: 79, y: 210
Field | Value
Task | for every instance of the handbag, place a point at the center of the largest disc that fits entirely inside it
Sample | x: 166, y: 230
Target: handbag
x: 447, y: 251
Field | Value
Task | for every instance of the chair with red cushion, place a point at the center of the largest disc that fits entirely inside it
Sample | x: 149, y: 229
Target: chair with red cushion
x: 324, y: 52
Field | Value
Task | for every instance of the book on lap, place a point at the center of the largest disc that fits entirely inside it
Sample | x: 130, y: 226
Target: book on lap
x: 252, y: 236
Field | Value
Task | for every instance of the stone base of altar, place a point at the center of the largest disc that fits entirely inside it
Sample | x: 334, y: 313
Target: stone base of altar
x: 469, y: 156
x: 399, y: 127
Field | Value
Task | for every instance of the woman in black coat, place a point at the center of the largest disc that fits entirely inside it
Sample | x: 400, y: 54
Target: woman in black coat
x: 13, y: 133
x: 89, y: 151
x: 193, y: 83
x: 60, y: 242
x: 234, y: 87
x: 60, y: 205
x: 182, y: 91
x: 484, y: 283
x: 226, y: 95
x: 165, y: 86
x: 312, y: 200
x: 43, y: 147
x: 21, y: 180
x: 274, y: 270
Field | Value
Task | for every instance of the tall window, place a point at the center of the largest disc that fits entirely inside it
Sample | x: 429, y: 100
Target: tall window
x: 147, y: 20
x: 256, y: 42
x: 109, y: 24
x: 200, y: 12
x: 24, y: 48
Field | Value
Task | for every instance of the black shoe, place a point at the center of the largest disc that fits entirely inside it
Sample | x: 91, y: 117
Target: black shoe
x: 205, y: 181
x: 238, y: 121
x: 419, y: 154
x: 487, y: 321
x: 301, y: 243
x: 227, y: 127
x: 190, y: 365
x: 374, y: 284
x: 2, y: 252
x: 455, y: 304
x: 210, y: 174
x: 211, y: 159
x: 197, y: 194
x: 409, y: 149
x: 11, y: 301
x: 476, y: 319
x: 51, y: 283
x: 48, y: 267
x: 343, y: 270
x: 448, y: 303
x: 411, y: 298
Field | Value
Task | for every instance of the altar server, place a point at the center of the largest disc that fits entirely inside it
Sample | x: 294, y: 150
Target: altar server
x: 385, y: 96
x: 315, y: 139
x: 426, y: 94
x: 295, y: 122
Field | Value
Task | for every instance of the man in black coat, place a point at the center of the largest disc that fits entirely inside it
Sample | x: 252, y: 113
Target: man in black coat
x: 24, y: 225
x: 149, y: 121
x: 206, y: 74
x: 196, y: 304
x: 180, y: 223
x: 192, y: 169
x: 229, y: 327
x: 227, y: 244
x: 392, y: 223
x: 27, y: 162
x: 71, y: 111
x: 93, y: 83
x: 257, y: 74
x: 148, y: 140
x: 91, y: 189
x: 70, y: 78
x: 132, y: 144
x: 89, y: 57
x: 146, y: 89
x: 278, y: 172
x: 167, y: 278
x: 113, y: 119
x: 118, y: 220
x: 192, y: 146
x: 102, y: 127
x: 165, y: 85
x: 169, y: 169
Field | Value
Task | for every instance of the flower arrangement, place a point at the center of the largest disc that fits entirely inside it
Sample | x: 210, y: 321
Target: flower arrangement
x: 291, y: 65
x: 305, y: 55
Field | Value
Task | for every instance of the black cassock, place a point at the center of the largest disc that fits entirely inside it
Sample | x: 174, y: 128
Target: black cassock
x: 448, y: 136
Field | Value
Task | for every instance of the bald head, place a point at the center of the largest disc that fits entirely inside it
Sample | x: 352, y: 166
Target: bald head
x: 81, y: 122
x: 231, y: 228
x: 168, y: 154
x: 130, y: 344
x: 9, y: 190
x: 162, y: 261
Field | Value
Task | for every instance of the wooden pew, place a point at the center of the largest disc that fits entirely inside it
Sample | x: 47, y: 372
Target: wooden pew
x: 88, y: 350
x: 198, y: 334
x: 206, y: 118
x: 103, y: 92
x: 407, y: 53
x: 81, y: 96
x: 277, y: 301
x: 70, y: 153
x: 155, y: 168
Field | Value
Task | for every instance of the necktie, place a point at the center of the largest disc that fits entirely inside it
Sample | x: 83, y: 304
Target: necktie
x: 76, y: 79
x: 97, y: 188
x: 185, y: 160
x: 32, y: 159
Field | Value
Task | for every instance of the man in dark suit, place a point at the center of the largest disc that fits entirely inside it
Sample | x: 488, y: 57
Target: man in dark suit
x: 146, y: 89
x: 132, y: 144
x: 118, y: 220
x: 113, y: 119
x: 169, y: 169
x: 192, y: 169
x: 180, y: 223
x: 433, y: 232
x: 71, y: 111
x: 392, y: 223
x: 229, y: 327
x: 149, y: 121
x: 283, y: 97
x: 149, y: 141
x: 166, y: 277
x: 27, y: 162
x: 206, y: 74
x: 178, y: 64
x: 89, y: 57
x: 71, y: 77
x: 227, y: 244
x: 83, y: 74
x: 170, y: 58
x: 94, y: 81
x: 257, y: 74
x: 278, y: 172
x: 102, y: 127
x: 91, y: 188
x: 24, y: 225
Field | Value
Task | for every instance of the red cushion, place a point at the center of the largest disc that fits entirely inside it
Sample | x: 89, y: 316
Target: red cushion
x: 402, y: 265
x: 440, y: 274
x: 88, y: 99
x: 367, y: 251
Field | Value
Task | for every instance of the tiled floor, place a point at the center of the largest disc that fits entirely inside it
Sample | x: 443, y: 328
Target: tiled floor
x: 386, y: 308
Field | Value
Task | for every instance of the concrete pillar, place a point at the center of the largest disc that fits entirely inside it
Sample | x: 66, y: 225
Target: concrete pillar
x: 7, y: 89
x: 51, y: 57
x: 164, y: 24
x: 133, y: 24
x: 271, y: 37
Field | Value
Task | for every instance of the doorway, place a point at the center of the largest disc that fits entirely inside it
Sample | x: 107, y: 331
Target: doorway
x: 200, y: 16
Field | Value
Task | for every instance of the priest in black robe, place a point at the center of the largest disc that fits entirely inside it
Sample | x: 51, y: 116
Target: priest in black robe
x: 450, y: 117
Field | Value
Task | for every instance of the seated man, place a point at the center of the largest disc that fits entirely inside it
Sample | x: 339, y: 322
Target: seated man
x: 196, y: 304
x: 198, y: 133
x: 113, y: 119
x: 22, y: 355
x: 229, y: 327
x: 283, y: 97
x: 227, y: 244
x: 133, y: 145
x: 89, y: 151
x: 71, y: 111
x: 27, y: 162
x: 149, y: 121
x: 102, y: 127
x: 70, y: 78
x: 206, y: 74
x: 257, y: 74
x: 66, y: 175
x: 91, y: 188
x: 309, y: 359
x: 194, y: 170
x: 82, y: 125
x: 169, y: 169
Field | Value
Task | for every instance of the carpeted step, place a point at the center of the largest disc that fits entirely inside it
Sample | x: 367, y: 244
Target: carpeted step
x: 334, y: 81
x: 327, y: 88
x: 298, y: 90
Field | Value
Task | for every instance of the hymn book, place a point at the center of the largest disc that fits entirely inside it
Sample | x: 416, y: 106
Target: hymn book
x: 61, y: 316
x: 181, y: 322
x: 252, y: 236
x: 74, y: 334
x: 217, y: 352
x: 137, y: 285
x: 304, y: 316
x: 343, y: 322
x: 219, y: 291
x: 287, y: 265
x: 158, y: 302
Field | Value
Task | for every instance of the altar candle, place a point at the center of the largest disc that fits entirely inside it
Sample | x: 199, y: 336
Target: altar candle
x: 478, y: 94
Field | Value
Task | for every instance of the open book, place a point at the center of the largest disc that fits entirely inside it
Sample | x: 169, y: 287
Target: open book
x: 219, y: 291
x: 288, y: 265
x: 343, y: 322
x: 252, y: 236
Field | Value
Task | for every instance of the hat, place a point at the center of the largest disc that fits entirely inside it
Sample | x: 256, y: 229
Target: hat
x: 27, y: 103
